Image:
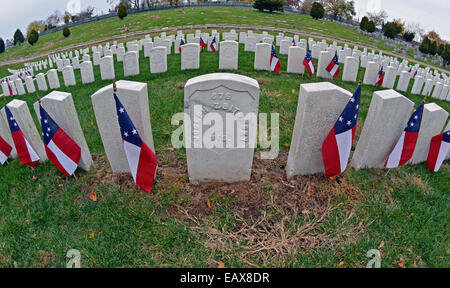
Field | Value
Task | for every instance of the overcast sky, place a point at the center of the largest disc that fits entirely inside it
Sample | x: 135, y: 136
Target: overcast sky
x: 431, y: 14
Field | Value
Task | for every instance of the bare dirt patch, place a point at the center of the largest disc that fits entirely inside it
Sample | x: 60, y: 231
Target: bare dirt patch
x: 265, y: 211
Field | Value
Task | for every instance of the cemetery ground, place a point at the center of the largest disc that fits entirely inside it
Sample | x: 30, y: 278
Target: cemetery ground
x: 310, y: 221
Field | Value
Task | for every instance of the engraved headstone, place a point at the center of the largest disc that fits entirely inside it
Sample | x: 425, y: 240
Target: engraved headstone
x: 190, y: 56
x: 41, y: 82
x: 262, y: 56
x: 158, y: 60
x: 351, y: 65
x: 227, y: 154
x: 295, y: 60
x: 87, y: 72
x: 68, y: 76
x: 131, y: 64
x: 107, y: 68
x: 228, y: 55
x: 53, y: 79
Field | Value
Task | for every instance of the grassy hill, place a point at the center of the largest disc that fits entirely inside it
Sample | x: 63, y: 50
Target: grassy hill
x: 308, y: 222
x: 188, y: 16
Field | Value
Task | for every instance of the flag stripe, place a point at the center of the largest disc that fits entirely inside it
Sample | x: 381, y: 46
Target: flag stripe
x: 64, y: 164
x: 443, y: 150
x: 344, y: 143
x: 433, y: 153
x: 3, y: 158
x: 145, y: 175
x: 394, y: 158
x: 330, y: 153
x: 334, y: 70
x: 67, y: 146
x: 408, y: 146
x: 22, y: 148
x: 133, y: 154
x: 5, y: 149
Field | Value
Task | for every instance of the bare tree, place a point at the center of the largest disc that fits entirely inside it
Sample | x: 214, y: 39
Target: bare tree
x: 417, y: 30
x: 54, y: 19
x: 378, y: 17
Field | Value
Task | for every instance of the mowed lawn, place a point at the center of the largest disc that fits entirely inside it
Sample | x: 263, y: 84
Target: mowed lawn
x: 308, y: 222
x: 187, y: 16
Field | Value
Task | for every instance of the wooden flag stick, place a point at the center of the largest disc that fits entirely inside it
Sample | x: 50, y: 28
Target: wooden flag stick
x: 4, y: 98
x: 426, y: 96
x: 38, y: 98
x: 361, y: 78
x: 114, y: 85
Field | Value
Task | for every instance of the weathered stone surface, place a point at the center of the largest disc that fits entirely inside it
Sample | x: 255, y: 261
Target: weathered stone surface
x: 60, y: 107
x: 250, y: 44
x: 428, y: 87
x: 131, y: 64
x: 5, y: 89
x: 371, y: 74
x: 351, y: 66
x: 417, y: 86
x: 5, y: 133
x: 19, y: 86
x: 284, y: 47
x: 230, y: 158
x: 134, y: 98
x: 29, y: 82
x: 53, y: 79
x: 148, y: 46
x: 158, y: 60
x: 168, y: 44
x: 319, y: 106
x: 403, y: 82
x: 107, y: 68
x: 296, y: 55
x: 97, y: 56
x: 444, y: 92
x: 433, y: 121
x: 190, y: 56
x: 437, y: 90
x: 21, y: 114
x: 324, y: 59
x: 388, y: 114
x: 68, y: 76
x: 228, y: 55
x: 41, y: 82
x: 87, y: 72
x: 120, y: 53
x: 262, y: 56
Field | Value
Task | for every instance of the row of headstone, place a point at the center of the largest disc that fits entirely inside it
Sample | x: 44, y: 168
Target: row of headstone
x: 294, y: 47
x: 225, y: 94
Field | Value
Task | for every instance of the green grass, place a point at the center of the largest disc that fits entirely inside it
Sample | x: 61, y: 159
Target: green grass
x: 44, y: 214
x: 188, y: 16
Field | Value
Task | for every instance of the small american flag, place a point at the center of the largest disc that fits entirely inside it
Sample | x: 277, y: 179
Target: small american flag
x: 338, y: 144
x: 275, y: 64
x: 141, y: 159
x: 333, y: 67
x: 439, y: 147
x: 405, y: 146
x: 308, y: 62
x: 61, y: 150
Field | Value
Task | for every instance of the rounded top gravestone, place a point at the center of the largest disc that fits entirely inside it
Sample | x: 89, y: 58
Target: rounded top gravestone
x: 219, y: 152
